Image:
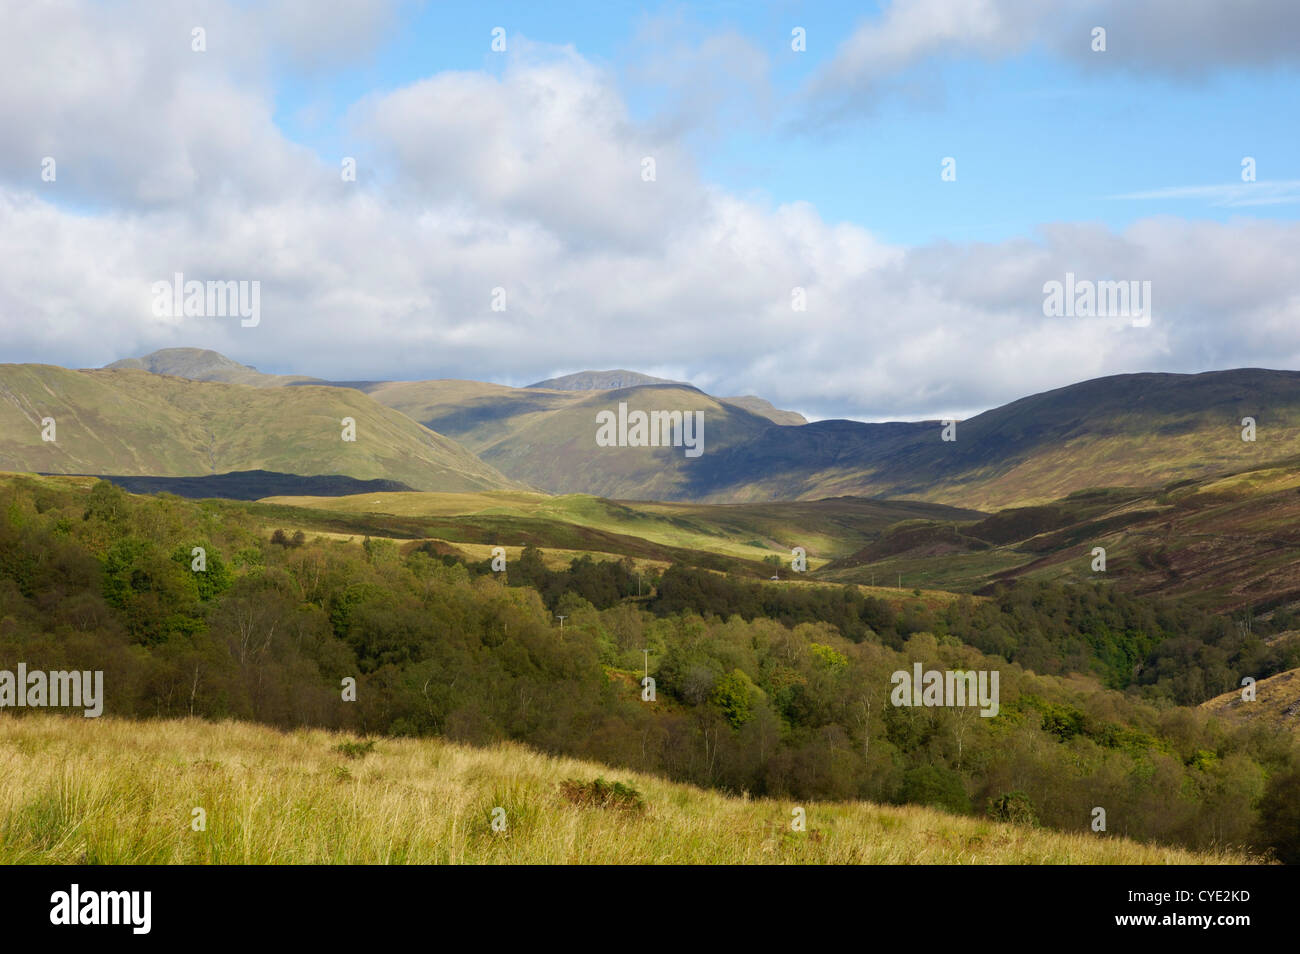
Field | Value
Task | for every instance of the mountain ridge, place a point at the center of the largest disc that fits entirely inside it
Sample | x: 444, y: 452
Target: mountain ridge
x: 1138, y: 429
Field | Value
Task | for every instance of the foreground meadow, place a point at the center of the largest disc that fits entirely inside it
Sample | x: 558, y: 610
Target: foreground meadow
x: 116, y: 791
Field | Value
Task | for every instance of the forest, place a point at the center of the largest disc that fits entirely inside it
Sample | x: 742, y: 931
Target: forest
x: 763, y: 688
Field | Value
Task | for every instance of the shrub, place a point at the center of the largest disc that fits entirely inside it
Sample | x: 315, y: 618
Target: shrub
x: 1279, y: 817
x: 735, y: 694
x: 599, y: 793
x: 1014, y: 807
x: 937, y: 787
x: 356, y: 750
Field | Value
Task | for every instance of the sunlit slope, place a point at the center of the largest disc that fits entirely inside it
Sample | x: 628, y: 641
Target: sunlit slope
x: 547, y: 438
x: 824, y: 528
x: 111, y: 791
x: 132, y: 422
x: 1276, y: 704
x: 476, y: 414
x: 559, y: 452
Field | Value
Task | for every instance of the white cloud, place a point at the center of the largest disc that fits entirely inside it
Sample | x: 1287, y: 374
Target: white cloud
x: 1229, y: 195
x: 531, y: 181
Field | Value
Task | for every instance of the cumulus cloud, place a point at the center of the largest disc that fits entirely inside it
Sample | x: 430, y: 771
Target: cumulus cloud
x: 134, y: 116
x: 1178, y: 39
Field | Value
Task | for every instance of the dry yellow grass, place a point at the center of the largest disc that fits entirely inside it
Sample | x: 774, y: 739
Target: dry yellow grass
x: 117, y: 791
x: 1276, y: 703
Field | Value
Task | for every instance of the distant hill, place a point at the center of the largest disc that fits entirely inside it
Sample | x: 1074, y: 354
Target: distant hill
x: 756, y: 405
x: 621, y: 379
x: 548, y: 438
x: 1133, y: 430
x: 601, y: 381
x: 132, y: 423
x: 199, y: 364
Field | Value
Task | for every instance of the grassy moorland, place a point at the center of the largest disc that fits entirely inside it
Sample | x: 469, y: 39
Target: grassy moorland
x: 824, y: 528
x: 1276, y: 704
x: 1226, y: 543
x: 132, y: 422
x: 114, y: 791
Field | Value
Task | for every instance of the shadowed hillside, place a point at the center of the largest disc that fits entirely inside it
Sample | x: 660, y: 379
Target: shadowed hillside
x: 1127, y: 430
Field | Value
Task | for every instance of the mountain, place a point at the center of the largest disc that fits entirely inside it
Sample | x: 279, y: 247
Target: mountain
x: 600, y: 381
x: 133, y: 423
x: 199, y: 364
x: 487, y: 418
x: 474, y: 413
x: 621, y: 379
x: 1133, y: 430
x: 548, y: 438
x: 756, y: 405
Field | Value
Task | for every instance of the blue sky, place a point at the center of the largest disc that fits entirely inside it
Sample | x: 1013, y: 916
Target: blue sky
x: 1036, y: 139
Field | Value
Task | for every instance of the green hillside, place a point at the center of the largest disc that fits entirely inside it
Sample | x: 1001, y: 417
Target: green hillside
x: 131, y: 422
x: 548, y: 438
x: 824, y: 528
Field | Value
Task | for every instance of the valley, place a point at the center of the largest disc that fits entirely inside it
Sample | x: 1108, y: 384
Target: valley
x: 434, y: 559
